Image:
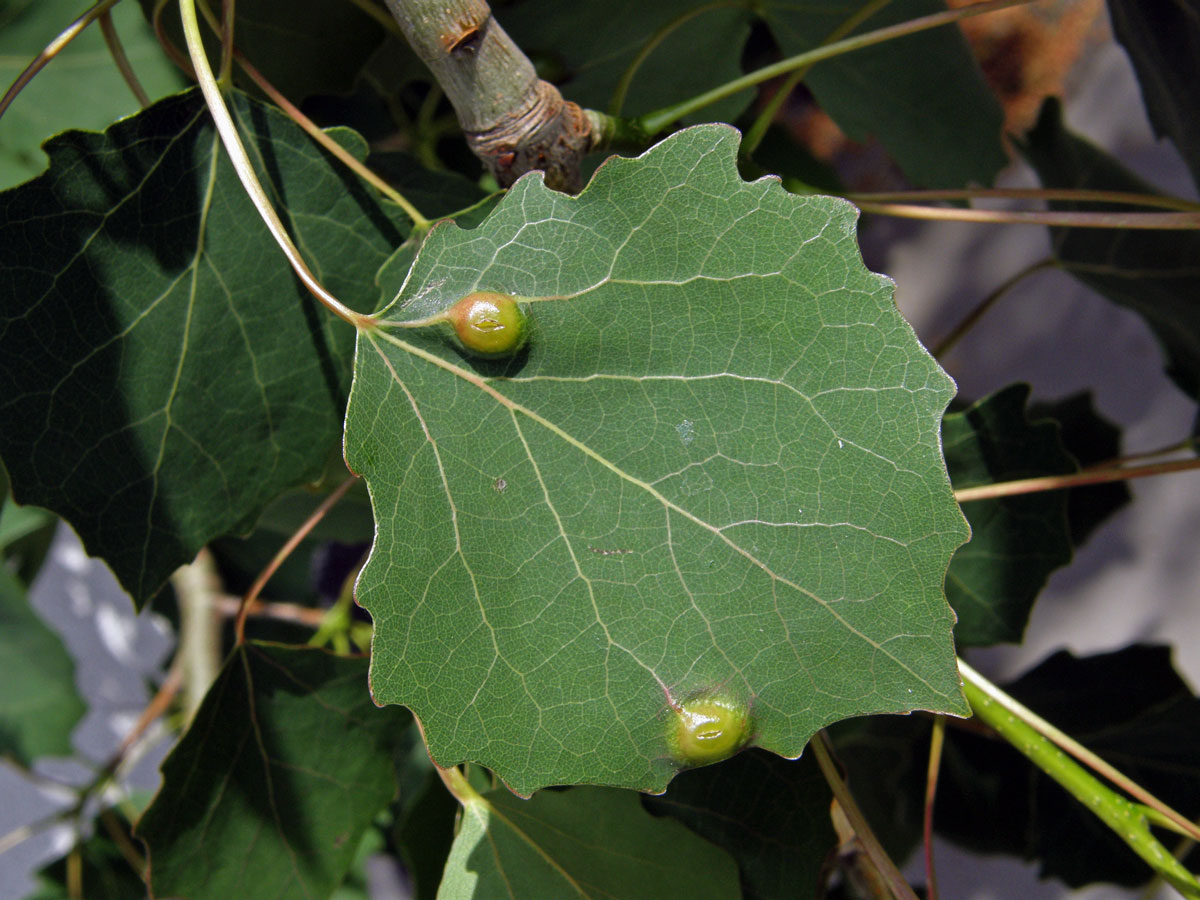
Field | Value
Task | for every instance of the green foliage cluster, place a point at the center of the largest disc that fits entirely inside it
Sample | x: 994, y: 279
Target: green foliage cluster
x: 681, y: 499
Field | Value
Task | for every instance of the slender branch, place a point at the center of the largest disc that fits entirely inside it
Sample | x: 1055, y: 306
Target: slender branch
x: 285, y: 551
x: 1169, y: 221
x: 972, y: 318
x: 420, y: 223
x: 987, y: 693
x: 823, y: 751
x: 113, y: 41
x: 936, y: 740
x: 52, y: 50
x: 1077, y: 195
x: 1044, y: 744
x: 512, y: 120
x: 654, y: 122
x: 284, y: 612
x: 245, y: 169
x: 1075, y: 479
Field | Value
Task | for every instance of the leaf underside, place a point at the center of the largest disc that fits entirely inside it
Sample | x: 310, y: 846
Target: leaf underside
x: 715, y: 467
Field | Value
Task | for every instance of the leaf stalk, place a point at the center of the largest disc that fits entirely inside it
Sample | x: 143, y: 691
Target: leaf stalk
x: 654, y: 122
x: 1044, y: 745
x: 245, y: 169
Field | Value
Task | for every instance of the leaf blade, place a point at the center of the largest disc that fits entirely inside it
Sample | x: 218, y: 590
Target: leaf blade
x: 585, y: 574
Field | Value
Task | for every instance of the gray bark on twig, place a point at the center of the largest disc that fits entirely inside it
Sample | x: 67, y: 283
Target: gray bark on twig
x: 512, y: 120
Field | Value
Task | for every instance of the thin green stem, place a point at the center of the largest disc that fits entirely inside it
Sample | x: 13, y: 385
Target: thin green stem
x: 52, y: 50
x: 113, y: 41
x: 622, y: 89
x: 1075, y: 479
x: 883, y: 864
x: 936, y: 740
x: 972, y: 318
x: 1077, y: 195
x: 654, y: 122
x: 245, y: 170
x: 1073, y: 747
x: 457, y: 784
x: 1044, y: 746
x: 1168, y: 221
x: 758, y: 130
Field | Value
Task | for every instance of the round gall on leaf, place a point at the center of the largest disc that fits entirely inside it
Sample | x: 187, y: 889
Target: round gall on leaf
x: 707, y: 729
x: 488, y: 325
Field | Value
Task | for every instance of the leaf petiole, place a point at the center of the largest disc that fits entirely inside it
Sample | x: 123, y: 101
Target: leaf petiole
x: 1128, y: 820
x: 245, y: 169
x: 654, y: 122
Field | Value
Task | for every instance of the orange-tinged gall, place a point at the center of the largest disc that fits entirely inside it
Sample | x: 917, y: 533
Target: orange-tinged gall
x: 488, y: 324
x: 708, y: 729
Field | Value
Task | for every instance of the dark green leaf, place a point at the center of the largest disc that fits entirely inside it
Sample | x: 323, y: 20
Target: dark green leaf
x: 425, y: 830
x: 163, y: 375
x: 1090, y: 439
x: 770, y: 814
x: 715, y: 467
x: 590, y: 843
x: 39, y: 706
x: 693, y: 47
x: 303, y: 47
x: 1016, y: 542
x: 921, y: 96
x: 81, y: 88
x: 1162, y: 38
x: 1132, y: 709
x: 885, y: 759
x: 270, y: 791
x: 1152, y: 273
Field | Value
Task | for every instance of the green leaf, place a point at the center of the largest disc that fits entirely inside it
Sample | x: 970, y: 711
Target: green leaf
x: 922, y: 96
x: 586, y: 843
x: 26, y: 533
x: 715, y: 468
x: 163, y: 375
x: 770, y: 814
x: 1131, y: 708
x: 1152, y: 273
x: 1016, y: 542
x: 303, y: 47
x: 1162, y: 38
x: 80, y: 88
x: 693, y: 47
x: 1090, y: 439
x: 270, y: 791
x: 39, y: 706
